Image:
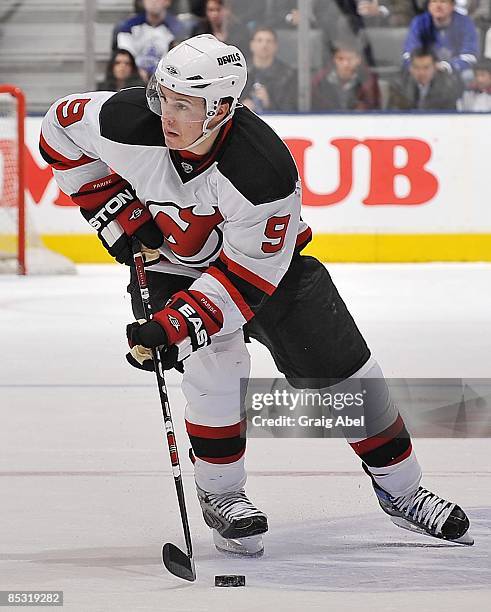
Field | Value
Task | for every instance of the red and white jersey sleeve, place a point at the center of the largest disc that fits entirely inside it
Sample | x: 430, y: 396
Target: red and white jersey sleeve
x: 70, y: 139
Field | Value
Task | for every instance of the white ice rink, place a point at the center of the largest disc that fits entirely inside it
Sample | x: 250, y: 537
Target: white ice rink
x: 86, y: 493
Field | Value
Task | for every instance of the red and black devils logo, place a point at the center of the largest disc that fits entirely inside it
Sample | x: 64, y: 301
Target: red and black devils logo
x: 193, y: 238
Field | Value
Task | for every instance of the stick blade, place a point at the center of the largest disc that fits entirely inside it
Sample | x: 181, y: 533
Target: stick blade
x: 178, y: 563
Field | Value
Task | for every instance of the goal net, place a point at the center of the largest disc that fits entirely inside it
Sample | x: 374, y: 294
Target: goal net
x: 21, y: 248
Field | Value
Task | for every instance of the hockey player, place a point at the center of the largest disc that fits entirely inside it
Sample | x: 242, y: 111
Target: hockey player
x: 205, y: 181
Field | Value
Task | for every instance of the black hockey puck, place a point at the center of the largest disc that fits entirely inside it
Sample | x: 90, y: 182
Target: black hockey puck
x: 229, y: 581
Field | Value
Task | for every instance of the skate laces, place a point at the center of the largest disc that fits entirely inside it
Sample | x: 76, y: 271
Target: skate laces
x: 425, y: 508
x: 234, y: 505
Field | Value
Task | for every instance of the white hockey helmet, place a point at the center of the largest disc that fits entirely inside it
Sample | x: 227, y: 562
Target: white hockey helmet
x: 204, y: 67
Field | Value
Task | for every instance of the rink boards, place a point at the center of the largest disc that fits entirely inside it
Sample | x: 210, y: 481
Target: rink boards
x: 376, y: 187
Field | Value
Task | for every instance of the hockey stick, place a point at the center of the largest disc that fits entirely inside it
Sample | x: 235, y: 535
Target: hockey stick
x: 175, y: 560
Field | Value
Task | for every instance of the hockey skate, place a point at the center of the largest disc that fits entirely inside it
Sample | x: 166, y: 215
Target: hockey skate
x: 424, y: 512
x: 237, y: 524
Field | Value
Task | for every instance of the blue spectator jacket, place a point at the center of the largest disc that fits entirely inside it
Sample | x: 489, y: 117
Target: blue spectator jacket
x: 456, y: 44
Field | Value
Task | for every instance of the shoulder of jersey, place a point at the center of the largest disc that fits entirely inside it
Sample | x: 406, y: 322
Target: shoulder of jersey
x: 125, y: 118
x: 256, y: 161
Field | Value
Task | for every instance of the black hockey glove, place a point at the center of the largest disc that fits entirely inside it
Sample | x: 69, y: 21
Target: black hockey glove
x: 111, y: 207
x: 186, y: 324
x: 141, y: 357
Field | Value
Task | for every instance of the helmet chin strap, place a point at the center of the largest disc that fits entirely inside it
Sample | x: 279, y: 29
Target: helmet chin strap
x: 206, y: 132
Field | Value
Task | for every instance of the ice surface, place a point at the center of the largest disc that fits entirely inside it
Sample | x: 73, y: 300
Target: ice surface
x: 86, y: 494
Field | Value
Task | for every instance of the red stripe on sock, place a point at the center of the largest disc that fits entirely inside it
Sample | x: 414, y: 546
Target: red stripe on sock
x: 216, y: 433
x: 404, y: 455
x: 365, y: 446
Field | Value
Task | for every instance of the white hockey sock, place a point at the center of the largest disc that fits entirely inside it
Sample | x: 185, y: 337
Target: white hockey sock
x: 399, y: 479
x: 380, y: 414
x: 220, y: 478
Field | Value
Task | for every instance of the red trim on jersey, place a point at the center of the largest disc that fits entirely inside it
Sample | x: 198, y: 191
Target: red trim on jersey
x: 365, y: 446
x: 205, y: 307
x: 64, y: 163
x: 232, y: 290
x: 95, y: 193
x: 222, y: 460
x: 190, y: 155
x: 304, y: 238
x: 247, y: 275
x: 216, y: 433
x: 404, y: 455
x: 216, y: 147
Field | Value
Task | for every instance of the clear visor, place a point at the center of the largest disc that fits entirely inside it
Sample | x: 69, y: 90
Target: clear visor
x: 182, y: 109
x: 153, y: 97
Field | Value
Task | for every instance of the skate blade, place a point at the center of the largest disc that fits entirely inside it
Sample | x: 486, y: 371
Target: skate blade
x: 466, y: 539
x: 245, y: 547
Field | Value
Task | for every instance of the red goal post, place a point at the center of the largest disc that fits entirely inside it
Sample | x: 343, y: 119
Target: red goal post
x: 12, y: 193
x: 22, y: 249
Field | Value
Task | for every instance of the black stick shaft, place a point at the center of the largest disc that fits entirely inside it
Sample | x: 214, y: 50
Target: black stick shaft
x: 164, y: 399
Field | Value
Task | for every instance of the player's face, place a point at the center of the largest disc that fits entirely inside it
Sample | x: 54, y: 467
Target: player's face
x: 182, y: 118
x: 440, y: 9
x: 423, y: 69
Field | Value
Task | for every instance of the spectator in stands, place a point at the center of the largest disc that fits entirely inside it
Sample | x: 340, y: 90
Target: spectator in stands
x: 271, y: 84
x: 340, y: 20
x: 450, y: 34
x: 401, y: 12
x: 147, y: 35
x: 478, y: 97
x: 423, y: 86
x: 222, y: 23
x: 346, y: 85
x: 121, y: 72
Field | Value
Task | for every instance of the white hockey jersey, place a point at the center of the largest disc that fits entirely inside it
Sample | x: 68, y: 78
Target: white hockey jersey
x: 231, y: 219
